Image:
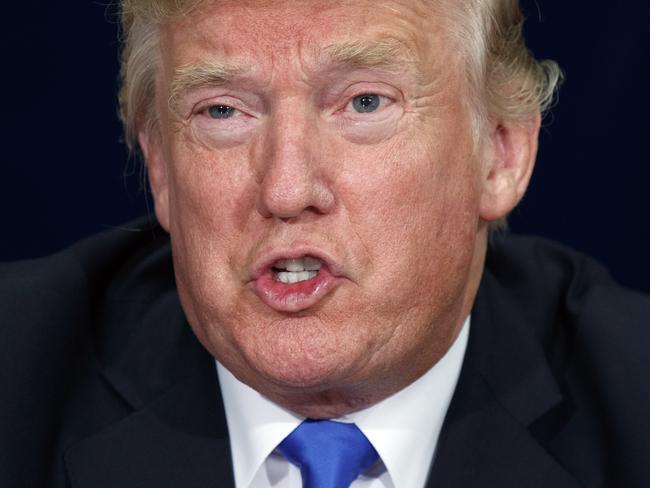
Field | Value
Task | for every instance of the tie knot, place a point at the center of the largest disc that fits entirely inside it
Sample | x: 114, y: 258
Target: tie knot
x: 329, y: 454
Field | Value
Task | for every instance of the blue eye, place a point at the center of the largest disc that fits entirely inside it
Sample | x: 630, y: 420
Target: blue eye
x: 366, y: 103
x: 221, y: 111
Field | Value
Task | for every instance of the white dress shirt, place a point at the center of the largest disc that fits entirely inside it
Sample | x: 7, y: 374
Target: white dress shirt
x: 403, y: 428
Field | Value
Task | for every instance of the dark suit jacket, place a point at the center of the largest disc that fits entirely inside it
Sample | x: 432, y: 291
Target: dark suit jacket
x: 104, y: 385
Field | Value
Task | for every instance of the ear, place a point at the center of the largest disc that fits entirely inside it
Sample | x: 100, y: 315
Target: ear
x: 152, y: 150
x: 510, y: 158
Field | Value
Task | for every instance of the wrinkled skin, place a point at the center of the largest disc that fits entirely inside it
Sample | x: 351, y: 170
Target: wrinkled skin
x: 397, y: 197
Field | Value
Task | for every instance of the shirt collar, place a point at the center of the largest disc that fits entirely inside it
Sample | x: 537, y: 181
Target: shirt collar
x: 255, y: 425
x: 403, y: 428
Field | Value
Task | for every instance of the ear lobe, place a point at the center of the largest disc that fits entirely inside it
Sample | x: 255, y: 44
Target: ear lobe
x: 511, y: 153
x: 151, y: 146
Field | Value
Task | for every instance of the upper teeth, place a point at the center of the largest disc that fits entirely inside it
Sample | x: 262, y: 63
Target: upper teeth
x: 300, y: 264
x: 289, y: 277
x: 296, y: 270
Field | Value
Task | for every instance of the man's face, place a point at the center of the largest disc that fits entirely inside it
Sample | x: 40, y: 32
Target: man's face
x: 329, y: 130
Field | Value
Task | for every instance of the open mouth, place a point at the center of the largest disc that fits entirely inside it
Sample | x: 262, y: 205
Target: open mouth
x: 291, y: 271
x: 296, y: 283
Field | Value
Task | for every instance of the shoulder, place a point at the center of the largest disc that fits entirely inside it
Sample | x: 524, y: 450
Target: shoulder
x: 565, y: 293
x: 595, y: 335
x: 47, y: 303
x: 53, y: 316
x: 557, y: 284
x: 65, y: 287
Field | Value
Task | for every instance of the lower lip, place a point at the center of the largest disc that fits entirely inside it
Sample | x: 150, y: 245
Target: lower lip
x: 293, y: 297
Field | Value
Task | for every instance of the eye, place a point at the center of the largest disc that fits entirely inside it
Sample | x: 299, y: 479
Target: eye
x: 221, y: 111
x: 366, y: 103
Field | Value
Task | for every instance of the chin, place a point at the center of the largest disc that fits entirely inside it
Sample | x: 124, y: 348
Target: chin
x: 301, y: 355
x: 311, y: 390
x: 300, y: 371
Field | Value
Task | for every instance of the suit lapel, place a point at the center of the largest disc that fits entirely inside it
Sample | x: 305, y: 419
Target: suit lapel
x: 179, y: 439
x: 505, y: 388
x: 482, y: 444
x: 176, y: 434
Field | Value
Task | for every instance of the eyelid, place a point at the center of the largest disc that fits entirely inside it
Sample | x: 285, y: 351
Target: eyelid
x: 384, y: 90
x: 204, y: 110
x: 203, y: 107
x: 240, y: 106
x: 386, y: 107
x: 381, y: 98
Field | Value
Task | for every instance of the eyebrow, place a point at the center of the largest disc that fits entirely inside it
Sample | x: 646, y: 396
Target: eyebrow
x: 369, y: 54
x: 194, y: 76
x: 357, y: 54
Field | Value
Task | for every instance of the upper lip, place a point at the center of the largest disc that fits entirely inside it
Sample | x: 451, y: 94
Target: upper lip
x: 266, y: 261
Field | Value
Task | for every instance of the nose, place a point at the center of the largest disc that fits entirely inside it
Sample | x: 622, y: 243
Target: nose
x: 292, y: 179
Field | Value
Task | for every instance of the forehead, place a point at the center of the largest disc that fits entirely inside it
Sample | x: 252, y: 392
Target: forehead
x: 273, y: 32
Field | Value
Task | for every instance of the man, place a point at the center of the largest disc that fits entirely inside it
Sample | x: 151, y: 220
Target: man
x: 328, y: 174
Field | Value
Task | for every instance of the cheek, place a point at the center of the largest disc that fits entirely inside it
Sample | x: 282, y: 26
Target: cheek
x: 414, y: 190
x: 417, y: 215
x: 212, y: 190
x: 211, y: 197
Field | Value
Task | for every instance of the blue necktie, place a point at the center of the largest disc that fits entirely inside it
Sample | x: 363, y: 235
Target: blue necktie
x: 329, y: 454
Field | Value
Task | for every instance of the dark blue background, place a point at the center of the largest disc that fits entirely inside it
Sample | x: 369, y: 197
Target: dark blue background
x: 66, y: 173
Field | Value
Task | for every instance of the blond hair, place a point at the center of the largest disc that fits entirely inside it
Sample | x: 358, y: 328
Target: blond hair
x: 505, y: 78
